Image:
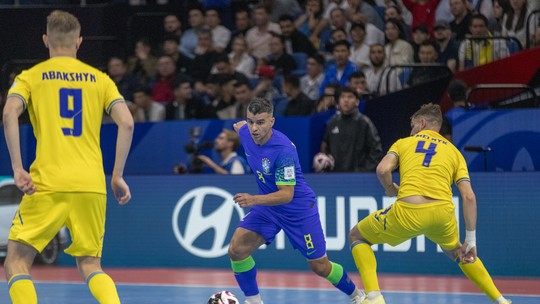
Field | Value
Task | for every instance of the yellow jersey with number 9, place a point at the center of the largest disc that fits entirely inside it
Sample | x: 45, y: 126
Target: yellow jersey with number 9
x: 66, y: 99
x: 428, y: 164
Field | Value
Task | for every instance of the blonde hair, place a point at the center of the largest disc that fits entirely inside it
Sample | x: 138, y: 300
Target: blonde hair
x: 232, y: 136
x: 63, y: 29
x: 431, y: 113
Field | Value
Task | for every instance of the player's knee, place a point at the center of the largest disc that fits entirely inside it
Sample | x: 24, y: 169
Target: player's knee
x: 355, y: 235
x: 321, y: 267
x: 236, y: 253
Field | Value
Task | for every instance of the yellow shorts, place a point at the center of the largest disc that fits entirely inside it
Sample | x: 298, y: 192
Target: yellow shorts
x: 41, y: 215
x: 403, y: 221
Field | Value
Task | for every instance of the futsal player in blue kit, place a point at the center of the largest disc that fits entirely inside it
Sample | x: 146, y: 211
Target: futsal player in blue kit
x: 285, y: 202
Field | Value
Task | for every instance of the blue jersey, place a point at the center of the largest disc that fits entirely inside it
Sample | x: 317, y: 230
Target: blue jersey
x: 276, y: 163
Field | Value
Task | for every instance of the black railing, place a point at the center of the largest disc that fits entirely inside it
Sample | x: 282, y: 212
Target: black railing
x: 511, y: 44
x: 504, y: 95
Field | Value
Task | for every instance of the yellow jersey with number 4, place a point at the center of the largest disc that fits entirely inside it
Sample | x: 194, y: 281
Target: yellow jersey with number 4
x: 428, y: 164
x: 66, y: 99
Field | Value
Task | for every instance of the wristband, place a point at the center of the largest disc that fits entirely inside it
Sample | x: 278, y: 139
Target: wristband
x: 470, y: 239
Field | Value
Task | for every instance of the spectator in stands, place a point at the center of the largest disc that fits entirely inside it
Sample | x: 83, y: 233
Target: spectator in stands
x: 357, y: 82
x: 394, y: 11
x: 311, y: 82
x: 342, y: 67
x: 462, y: 19
x: 282, y: 62
x: 423, y: 12
x: 359, y: 49
x: 214, y: 96
x: 474, y: 52
x: 428, y: 55
x: 142, y: 64
x: 240, y: 59
x: 166, y: 74
x: 242, y: 25
x: 259, y: 36
x: 189, y: 41
x: 457, y: 91
x: 282, y: 7
x: 226, y: 144
x: 295, y: 41
x: 337, y: 34
x: 311, y: 23
x: 170, y: 48
x: 447, y: 46
x: 220, y: 34
x: 351, y: 138
x: 377, y: 59
x: 222, y: 65
x: 265, y: 88
x: 144, y: 109
x: 514, y: 22
x: 227, y: 83
x: 204, y: 58
x: 172, y: 26
x: 243, y: 95
x: 484, y: 7
x: 327, y: 101
x: 361, y: 7
x: 398, y: 51
x: 126, y: 83
x: 420, y: 35
x: 298, y: 103
x: 184, y: 105
x: 500, y: 8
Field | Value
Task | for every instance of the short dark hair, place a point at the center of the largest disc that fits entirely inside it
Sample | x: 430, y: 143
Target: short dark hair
x: 292, y: 80
x: 345, y: 89
x: 146, y: 90
x: 428, y: 43
x: 360, y: 25
x: 181, y: 79
x: 357, y: 74
x: 260, y: 105
x: 171, y: 37
x: 242, y: 83
x: 222, y: 57
x: 341, y: 42
x: 457, y: 90
x: 479, y: 17
x: 286, y: 17
x: 318, y: 58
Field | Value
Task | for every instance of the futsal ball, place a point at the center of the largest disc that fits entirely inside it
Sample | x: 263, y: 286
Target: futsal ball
x: 223, y: 297
x: 323, y: 163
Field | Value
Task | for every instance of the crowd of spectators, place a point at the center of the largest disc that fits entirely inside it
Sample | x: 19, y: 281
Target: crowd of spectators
x: 302, y: 53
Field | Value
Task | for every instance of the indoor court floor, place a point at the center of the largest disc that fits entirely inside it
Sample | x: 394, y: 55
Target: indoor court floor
x: 59, y: 285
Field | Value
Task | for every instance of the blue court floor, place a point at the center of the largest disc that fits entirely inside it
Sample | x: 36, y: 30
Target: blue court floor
x: 77, y: 293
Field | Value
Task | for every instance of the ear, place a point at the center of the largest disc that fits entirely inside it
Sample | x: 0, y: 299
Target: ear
x: 79, y: 41
x: 45, y: 40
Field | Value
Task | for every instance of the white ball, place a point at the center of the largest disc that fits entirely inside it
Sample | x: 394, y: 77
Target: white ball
x: 223, y: 297
x: 323, y: 163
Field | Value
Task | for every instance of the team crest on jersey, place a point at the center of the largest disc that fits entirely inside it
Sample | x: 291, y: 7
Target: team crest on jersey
x: 266, y: 165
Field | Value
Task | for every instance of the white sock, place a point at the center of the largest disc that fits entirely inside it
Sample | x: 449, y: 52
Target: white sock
x: 500, y: 299
x: 357, y: 292
x: 373, y: 294
x: 256, y: 299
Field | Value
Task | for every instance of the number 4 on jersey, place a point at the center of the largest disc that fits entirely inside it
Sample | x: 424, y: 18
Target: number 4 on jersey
x: 430, y: 152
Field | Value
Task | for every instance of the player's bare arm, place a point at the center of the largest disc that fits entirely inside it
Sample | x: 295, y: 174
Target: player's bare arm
x: 12, y: 110
x: 122, y: 117
x: 468, y: 249
x: 384, y: 174
x: 238, y: 125
x: 284, y: 195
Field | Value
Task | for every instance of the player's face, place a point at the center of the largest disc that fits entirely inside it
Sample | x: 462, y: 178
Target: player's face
x: 260, y: 126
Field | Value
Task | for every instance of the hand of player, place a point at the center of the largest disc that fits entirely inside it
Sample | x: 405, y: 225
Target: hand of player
x: 465, y: 256
x: 392, y: 190
x: 23, y: 181
x: 239, y: 124
x: 120, y: 189
x: 244, y: 199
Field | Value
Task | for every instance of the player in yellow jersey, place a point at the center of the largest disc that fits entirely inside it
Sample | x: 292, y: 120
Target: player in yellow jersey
x: 66, y: 184
x: 428, y: 165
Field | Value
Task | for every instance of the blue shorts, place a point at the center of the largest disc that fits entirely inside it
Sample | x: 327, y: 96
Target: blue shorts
x: 305, y: 234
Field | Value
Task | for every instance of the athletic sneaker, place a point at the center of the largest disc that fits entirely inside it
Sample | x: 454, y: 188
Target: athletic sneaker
x: 505, y: 301
x: 378, y: 300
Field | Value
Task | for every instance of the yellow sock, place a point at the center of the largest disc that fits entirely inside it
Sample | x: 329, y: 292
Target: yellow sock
x: 477, y: 273
x: 21, y: 289
x: 365, y: 261
x: 102, y: 288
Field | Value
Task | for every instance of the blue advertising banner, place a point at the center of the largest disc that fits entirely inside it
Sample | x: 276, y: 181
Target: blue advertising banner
x: 187, y: 221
